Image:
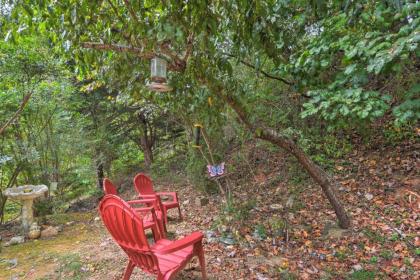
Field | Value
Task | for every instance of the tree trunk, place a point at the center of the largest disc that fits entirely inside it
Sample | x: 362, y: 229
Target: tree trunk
x: 327, y: 183
x: 100, y: 175
x: 3, y: 200
x: 146, y: 140
x: 147, y: 151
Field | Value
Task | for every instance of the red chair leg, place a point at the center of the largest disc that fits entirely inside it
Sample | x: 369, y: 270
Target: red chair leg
x: 162, y: 229
x: 156, y: 234
x: 165, y: 210
x: 128, y: 270
x: 202, y: 262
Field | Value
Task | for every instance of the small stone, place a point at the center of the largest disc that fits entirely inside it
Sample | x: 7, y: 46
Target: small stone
x: 69, y: 223
x: 357, y: 267
x: 223, y: 228
x: 231, y: 254
x: 16, y: 240
x: 201, y: 201
x: 12, y: 263
x: 322, y: 257
x: 276, y: 206
x: 229, y: 218
x: 210, y: 233
x: 97, y: 219
x: 34, y: 232
x: 290, y: 216
x: 336, y: 233
x: 369, y: 196
x: 185, y: 202
x: 289, y: 203
x: 227, y: 240
x: 49, y: 232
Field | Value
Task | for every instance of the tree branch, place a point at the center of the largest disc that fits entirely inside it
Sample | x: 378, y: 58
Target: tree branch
x: 17, y: 113
x: 131, y: 11
x: 189, y: 47
x: 118, y: 48
x: 178, y: 63
x: 268, y: 75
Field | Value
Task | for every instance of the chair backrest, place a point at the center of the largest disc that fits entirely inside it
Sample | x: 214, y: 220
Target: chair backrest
x: 143, y: 184
x: 126, y: 228
x: 109, y: 187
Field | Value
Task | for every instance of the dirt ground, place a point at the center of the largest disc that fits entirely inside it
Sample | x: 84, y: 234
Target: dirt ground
x: 258, y: 237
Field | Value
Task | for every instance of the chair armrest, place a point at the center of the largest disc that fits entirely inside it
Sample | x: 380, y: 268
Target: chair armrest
x: 171, y: 194
x: 145, y: 209
x: 141, y: 201
x: 147, y: 196
x: 177, y: 245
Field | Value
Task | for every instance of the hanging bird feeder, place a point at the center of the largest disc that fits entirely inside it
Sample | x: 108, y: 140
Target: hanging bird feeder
x: 197, y: 135
x: 158, y: 75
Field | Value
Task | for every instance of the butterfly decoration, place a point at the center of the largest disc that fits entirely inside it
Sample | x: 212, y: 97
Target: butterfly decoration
x: 216, y: 170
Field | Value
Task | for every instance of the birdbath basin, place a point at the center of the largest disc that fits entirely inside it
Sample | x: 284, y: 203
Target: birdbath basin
x: 26, y: 194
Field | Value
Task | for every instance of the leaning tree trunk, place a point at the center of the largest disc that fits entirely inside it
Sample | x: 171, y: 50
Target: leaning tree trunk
x: 327, y: 183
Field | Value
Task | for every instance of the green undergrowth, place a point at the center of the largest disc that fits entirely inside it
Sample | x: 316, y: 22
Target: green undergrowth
x: 11, y: 210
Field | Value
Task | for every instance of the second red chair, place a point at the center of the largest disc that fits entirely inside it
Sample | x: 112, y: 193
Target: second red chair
x: 144, y: 186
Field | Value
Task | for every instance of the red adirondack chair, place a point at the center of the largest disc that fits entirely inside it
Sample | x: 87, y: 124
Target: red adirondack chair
x: 153, y: 214
x: 164, y: 258
x: 144, y: 186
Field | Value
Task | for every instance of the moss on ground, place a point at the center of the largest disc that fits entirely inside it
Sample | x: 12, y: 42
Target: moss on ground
x: 44, y: 257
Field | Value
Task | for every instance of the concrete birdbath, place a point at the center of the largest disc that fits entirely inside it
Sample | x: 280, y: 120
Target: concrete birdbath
x: 26, y: 194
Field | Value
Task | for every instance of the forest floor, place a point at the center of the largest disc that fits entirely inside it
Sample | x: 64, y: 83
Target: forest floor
x: 274, y: 228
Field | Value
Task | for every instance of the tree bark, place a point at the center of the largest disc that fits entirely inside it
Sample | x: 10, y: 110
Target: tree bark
x: 17, y: 113
x: 147, y: 151
x: 3, y: 200
x: 146, y: 139
x: 100, y: 175
x: 327, y: 183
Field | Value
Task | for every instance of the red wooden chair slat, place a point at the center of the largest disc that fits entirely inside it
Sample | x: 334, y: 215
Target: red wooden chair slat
x: 144, y: 186
x: 164, y: 258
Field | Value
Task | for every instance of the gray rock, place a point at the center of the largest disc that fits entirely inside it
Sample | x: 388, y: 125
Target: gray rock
x: 210, y: 233
x: 228, y: 240
x: 357, y: 267
x: 276, y: 206
x: 201, y: 201
x: 289, y: 203
x: 16, y: 240
x: 369, y: 196
x: 49, y: 232
x: 332, y: 231
x: 12, y: 263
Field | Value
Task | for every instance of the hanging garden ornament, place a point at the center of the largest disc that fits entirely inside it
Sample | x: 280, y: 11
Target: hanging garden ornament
x: 197, y: 135
x: 158, y: 75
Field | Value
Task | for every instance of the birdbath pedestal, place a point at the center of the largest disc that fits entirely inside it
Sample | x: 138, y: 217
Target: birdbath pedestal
x: 26, y: 194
